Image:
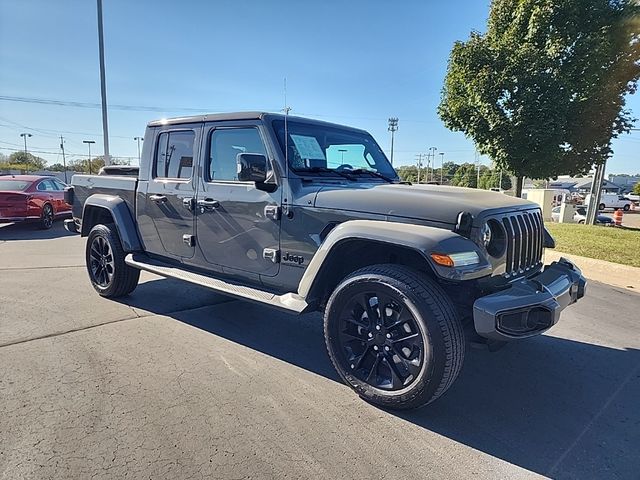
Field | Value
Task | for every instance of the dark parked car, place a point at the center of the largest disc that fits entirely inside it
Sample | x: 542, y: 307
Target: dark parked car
x: 32, y: 198
x: 305, y: 215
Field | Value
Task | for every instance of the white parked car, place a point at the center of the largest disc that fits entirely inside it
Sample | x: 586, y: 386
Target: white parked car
x: 611, y: 200
x: 581, y: 216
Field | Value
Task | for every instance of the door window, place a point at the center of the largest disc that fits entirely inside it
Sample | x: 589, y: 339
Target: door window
x: 174, y: 155
x: 47, y: 186
x: 224, y: 147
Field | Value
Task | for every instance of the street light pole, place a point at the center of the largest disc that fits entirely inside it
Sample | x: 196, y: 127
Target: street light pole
x: 341, y: 150
x: 138, y: 140
x: 25, y: 135
x: 393, y: 126
x: 441, y: 166
x: 89, y: 142
x: 103, y: 87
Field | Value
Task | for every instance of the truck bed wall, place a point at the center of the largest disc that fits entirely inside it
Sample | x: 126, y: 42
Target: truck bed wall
x: 86, y: 185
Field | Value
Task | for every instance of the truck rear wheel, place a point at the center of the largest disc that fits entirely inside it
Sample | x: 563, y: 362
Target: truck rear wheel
x: 394, y: 336
x: 109, y: 275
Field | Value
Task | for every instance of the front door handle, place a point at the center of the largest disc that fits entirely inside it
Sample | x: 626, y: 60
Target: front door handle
x: 208, y: 204
x: 158, y: 198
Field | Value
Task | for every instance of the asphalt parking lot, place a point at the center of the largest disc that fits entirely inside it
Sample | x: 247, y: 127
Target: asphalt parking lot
x: 178, y: 382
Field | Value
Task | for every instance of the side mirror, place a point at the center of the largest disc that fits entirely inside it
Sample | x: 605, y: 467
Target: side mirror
x: 252, y: 167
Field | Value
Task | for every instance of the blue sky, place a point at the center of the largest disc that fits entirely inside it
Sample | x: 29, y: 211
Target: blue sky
x: 354, y: 62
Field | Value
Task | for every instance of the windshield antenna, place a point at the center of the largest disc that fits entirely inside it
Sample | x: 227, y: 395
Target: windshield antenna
x: 286, y: 110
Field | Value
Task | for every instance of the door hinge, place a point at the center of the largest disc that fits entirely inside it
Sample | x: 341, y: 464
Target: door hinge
x: 189, y: 240
x: 272, y: 212
x: 189, y: 203
x: 271, y: 254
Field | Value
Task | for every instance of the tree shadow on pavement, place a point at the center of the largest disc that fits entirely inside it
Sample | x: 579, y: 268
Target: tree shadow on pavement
x: 557, y: 407
x: 30, y: 231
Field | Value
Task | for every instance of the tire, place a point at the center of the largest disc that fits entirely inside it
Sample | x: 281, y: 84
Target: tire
x: 602, y: 206
x: 581, y: 222
x: 46, y: 217
x: 104, y: 257
x: 415, y: 355
x: 626, y: 208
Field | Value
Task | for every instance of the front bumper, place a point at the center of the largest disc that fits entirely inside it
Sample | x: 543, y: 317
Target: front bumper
x: 529, y: 306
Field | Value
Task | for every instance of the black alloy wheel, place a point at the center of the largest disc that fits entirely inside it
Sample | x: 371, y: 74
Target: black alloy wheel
x: 46, y: 218
x: 380, y: 340
x: 101, y: 263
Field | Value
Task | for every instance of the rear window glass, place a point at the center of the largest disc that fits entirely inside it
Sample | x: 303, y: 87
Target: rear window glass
x: 174, y: 156
x: 14, y: 185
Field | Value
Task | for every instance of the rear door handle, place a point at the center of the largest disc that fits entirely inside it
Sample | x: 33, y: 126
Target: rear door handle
x: 158, y: 198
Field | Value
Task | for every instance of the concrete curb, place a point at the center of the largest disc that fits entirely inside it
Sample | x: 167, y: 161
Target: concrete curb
x: 610, y: 273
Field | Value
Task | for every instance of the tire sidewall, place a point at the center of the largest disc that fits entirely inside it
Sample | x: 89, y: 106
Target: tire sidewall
x: 429, y: 375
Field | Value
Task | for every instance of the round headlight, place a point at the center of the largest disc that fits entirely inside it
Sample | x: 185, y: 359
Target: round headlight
x: 485, y: 234
x: 494, y: 238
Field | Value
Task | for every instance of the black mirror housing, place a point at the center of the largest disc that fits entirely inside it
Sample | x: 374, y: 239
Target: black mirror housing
x: 252, y: 167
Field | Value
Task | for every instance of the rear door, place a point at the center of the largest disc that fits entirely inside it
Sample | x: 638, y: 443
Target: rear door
x: 238, y: 225
x: 165, y: 199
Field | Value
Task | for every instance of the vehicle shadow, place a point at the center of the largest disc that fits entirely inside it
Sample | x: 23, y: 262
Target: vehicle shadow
x: 30, y: 231
x: 557, y: 407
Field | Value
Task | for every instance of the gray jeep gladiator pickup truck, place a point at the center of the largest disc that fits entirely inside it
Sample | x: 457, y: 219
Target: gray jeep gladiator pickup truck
x: 305, y: 215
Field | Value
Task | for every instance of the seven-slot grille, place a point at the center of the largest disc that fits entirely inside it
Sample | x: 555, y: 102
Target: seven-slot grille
x: 525, y: 238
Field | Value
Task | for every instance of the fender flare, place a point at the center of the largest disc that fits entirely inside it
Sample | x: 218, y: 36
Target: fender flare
x: 423, y: 239
x: 122, y: 218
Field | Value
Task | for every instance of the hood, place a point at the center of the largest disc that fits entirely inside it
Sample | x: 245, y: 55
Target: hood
x: 436, y: 203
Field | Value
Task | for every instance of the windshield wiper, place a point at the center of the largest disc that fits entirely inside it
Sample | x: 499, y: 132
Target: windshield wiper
x: 371, y: 172
x: 344, y: 174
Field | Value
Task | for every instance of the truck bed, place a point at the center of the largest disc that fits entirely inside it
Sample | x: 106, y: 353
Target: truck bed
x: 86, y: 185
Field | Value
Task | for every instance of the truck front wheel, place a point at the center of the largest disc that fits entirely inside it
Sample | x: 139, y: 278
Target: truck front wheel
x: 394, y: 337
x: 110, y: 276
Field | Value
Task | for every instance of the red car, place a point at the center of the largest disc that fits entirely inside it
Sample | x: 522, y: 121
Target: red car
x: 32, y: 198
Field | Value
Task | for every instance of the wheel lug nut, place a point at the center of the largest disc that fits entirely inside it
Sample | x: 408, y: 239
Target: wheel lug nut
x: 353, y: 366
x: 377, y: 327
x: 370, y: 335
x: 375, y: 347
x: 386, y: 348
x: 388, y: 335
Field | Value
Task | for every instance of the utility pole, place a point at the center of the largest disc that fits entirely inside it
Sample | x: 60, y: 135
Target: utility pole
x: 138, y: 140
x: 433, y: 150
x: 89, y: 142
x: 393, y: 126
x: 419, y: 158
x: 478, y: 169
x: 103, y: 88
x: 64, y: 160
x: 441, y: 166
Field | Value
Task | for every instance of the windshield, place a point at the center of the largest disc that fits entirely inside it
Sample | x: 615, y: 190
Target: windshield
x: 13, y: 185
x: 315, y: 148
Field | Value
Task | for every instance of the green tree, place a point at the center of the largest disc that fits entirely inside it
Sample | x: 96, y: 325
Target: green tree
x: 465, y: 176
x: 56, y: 167
x: 542, y: 92
x: 636, y: 189
x: 22, y: 161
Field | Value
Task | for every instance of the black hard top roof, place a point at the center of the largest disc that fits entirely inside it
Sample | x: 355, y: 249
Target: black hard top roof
x: 217, y: 117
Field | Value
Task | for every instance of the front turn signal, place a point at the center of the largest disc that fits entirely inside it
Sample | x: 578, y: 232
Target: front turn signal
x: 460, y: 259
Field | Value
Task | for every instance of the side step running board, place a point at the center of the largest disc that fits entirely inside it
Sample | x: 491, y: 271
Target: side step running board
x: 290, y: 301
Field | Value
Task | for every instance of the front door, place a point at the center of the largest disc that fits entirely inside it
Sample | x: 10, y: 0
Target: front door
x: 238, y: 225
x: 166, y: 216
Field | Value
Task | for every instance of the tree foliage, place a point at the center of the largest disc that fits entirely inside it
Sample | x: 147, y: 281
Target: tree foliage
x: 22, y: 161
x: 542, y: 92
x: 636, y: 189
